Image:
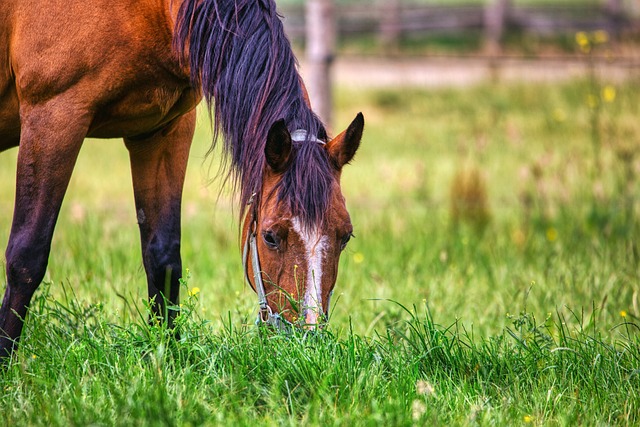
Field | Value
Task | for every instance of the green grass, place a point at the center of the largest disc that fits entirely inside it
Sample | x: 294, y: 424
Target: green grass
x: 531, y: 319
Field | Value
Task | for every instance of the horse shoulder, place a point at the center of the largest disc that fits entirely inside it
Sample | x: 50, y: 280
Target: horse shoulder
x: 60, y: 45
x: 114, y: 59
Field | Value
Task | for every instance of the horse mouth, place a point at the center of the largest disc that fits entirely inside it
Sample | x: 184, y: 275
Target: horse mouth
x: 311, y: 321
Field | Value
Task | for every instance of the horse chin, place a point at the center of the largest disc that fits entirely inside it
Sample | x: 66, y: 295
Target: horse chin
x: 310, y: 321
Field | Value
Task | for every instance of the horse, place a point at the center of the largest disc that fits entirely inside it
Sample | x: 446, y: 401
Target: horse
x: 136, y: 70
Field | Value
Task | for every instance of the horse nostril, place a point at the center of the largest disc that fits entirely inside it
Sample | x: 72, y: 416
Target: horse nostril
x: 310, y: 318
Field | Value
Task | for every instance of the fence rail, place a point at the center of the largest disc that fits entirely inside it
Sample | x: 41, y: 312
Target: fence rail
x: 433, y: 19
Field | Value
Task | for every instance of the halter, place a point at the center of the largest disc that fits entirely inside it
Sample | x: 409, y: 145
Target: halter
x: 265, y: 314
x: 301, y: 135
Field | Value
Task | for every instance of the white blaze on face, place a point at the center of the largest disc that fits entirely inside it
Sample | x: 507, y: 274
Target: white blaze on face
x: 315, y: 247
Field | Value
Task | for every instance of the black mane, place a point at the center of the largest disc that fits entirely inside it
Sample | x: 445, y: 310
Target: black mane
x: 239, y: 55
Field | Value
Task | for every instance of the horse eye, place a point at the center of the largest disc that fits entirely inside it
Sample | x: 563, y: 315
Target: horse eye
x: 345, y: 240
x: 271, y: 239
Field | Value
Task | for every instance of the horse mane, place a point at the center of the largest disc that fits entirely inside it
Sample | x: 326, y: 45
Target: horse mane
x: 239, y: 55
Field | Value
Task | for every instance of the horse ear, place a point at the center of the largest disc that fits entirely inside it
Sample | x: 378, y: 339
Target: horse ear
x: 343, y: 147
x: 278, y: 149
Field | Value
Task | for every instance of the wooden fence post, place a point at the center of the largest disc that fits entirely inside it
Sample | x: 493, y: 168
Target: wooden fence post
x: 390, y: 25
x: 320, y: 35
x: 496, y: 14
x: 615, y: 11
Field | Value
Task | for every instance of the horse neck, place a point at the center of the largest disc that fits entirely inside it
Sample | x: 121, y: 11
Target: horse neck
x: 171, y: 7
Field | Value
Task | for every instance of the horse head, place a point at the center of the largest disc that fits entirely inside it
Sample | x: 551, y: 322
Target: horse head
x: 291, y: 261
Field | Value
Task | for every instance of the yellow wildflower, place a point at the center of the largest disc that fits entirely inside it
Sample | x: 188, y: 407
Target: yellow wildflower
x: 358, y: 257
x: 559, y: 115
x: 623, y: 313
x: 582, y: 39
x: 194, y: 291
x: 528, y: 419
x: 600, y: 37
x: 609, y: 93
x: 552, y: 234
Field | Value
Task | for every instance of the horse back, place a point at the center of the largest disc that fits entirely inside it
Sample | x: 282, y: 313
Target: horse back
x: 112, y: 59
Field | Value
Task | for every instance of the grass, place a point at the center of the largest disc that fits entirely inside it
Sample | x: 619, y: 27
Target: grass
x: 516, y: 44
x: 80, y: 370
x: 530, y: 319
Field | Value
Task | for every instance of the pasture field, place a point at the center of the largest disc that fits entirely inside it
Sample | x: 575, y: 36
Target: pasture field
x: 493, y: 279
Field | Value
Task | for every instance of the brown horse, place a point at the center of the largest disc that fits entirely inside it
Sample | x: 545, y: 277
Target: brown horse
x: 136, y: 69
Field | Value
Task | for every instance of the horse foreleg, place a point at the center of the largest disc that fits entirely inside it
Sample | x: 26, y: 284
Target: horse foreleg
x: 158, y: 165
x: 49, y: 146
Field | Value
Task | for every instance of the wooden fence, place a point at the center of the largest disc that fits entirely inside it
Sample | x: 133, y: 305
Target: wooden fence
x: 396, y: 19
